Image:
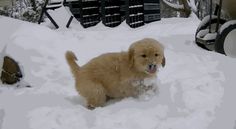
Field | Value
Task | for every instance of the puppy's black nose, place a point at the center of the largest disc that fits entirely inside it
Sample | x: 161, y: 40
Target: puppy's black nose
x: 152, y: 66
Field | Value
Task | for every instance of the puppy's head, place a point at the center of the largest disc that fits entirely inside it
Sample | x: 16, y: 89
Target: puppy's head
x: 146, y: 56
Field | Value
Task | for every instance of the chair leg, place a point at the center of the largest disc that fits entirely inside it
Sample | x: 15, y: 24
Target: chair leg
x: 41, y: 16
x: 69, y: 22
x: 51, y: 19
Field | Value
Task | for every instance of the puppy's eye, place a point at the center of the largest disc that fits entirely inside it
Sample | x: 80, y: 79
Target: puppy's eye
x: 156, y: 54
x: 144, y: 56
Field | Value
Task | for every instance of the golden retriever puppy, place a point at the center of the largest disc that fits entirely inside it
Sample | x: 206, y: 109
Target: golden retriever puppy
x: 113, y: 74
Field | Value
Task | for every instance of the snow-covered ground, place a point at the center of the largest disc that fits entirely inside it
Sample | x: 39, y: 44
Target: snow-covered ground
x: 196, y: 87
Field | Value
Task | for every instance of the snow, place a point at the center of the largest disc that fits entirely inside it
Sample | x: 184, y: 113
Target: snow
x: 210, y: 36
x: 202, y: 33
x: 1, y: 117
x: 192, y: 4
x: 195, y: 88
x: 1, y: 61
x: 227, y: 24
x: 205, y: 21
x: 229, y: 44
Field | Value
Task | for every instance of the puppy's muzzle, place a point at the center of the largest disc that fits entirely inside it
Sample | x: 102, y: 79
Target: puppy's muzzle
x: 152, y: 68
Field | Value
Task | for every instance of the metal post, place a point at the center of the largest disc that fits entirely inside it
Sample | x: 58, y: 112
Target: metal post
x: 51, y: 19
x: 42, y: 12
x: 218, y: 16
x: 210, y: 16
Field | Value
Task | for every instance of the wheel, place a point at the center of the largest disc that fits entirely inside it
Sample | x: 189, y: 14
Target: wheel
x: 225, y: 42
x: 204, y: 26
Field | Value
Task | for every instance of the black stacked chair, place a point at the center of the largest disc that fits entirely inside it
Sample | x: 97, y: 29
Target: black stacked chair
x: 89, y: 12
x: 134, y: 13
x: 123, y: 7
x: 152, y: 10
x: 74, y: 8
x: 111, y: 12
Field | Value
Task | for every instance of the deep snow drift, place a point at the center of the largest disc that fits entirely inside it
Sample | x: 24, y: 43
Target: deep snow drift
x: 196, y: 88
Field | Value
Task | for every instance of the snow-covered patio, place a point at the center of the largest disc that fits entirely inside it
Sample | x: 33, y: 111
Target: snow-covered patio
x: 196, y: 87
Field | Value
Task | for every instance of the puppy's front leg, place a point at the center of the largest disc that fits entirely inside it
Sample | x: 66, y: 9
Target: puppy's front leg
x: 128, y: 90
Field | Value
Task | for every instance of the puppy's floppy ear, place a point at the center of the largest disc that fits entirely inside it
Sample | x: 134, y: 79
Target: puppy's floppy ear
x: 131, y: 55
x: 163, y: 63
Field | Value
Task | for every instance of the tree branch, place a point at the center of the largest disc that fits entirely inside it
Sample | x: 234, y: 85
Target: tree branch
x: 175, y: 7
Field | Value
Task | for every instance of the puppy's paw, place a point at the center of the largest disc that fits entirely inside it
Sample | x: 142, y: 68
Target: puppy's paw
x: 90, y: 107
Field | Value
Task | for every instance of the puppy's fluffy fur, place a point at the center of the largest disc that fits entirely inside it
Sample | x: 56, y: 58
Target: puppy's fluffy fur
x: 111, y: 75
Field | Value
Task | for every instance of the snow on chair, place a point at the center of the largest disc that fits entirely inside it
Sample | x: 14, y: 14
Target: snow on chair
x: 52, y: 6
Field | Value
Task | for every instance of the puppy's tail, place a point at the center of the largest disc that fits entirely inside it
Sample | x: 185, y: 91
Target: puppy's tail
x: 74, y: 67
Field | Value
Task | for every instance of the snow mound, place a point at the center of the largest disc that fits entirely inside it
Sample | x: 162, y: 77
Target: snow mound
x: 190, y: 90
x: 190, y: 87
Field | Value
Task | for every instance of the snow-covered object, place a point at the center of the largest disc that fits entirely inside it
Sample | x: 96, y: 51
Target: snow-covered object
x: 195, y: 88
x: 229, y: 44
x: 210, y: 36
x: 202, y: 33
x: 205, y: 20
x: 229, y: 41
x: 226, y: 25
x: 5, y: 38
x: 21, y: 82
x: 175, y: 6
x: 57, y: 13
x: 192, y: 5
